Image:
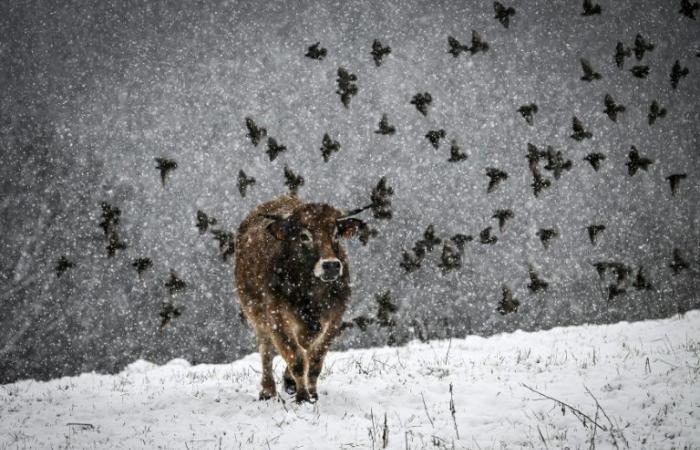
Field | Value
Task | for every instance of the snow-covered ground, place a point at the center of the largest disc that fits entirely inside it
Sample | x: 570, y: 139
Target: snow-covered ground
x: 643, y: 375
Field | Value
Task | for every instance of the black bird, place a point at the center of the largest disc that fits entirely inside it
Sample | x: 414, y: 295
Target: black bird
x: 365, y: 233
x: 203, y: 221
x: 486, y: 238
x: 385, y: 308
x: 556, y: 163
x: 381, y: 201
x: 451, y: 257
x: 503, y: 14
x: 528, y: 111
x: 540, y: 183
x: 410, y: 262
x: 456, y: 47
x: 508, y: 304
x: 588, y: 73
x: 478, y: 44
x: 600, y: 268
x: 346, y: 86
x: 579, y: 132
x: 274, y: 149
x: 614, y: 290
x: 594, y: 231
x: 620, y: 54
x: 641, y: 46
x: 165, y: 166
x: 292, y: 180
x: 315, y: 52
x: 678, y: 72
x: 622, y: 271
x: 640, y: 71
x: 168, y: 312
x: 611, y: 108
x: 534, y: 155
x: 460, y: 240
x: 655, y: 112
x: 328, y: 147
x: 422, y: 101
x: 678, y: 263
x: 590, y: 9
x: 226, y: 241
x: 384, y: 127
x: 255, y: 133
x: 429, y: 239
x: 379, y: 52
x: 640, y: 281
x: 243, y: 183
x: 175, y: 284
x: 503, y: 215
x: 536, y: 283
x: 141, y: 265
x: 456, y: 154
x: 62, y: 265
x: 545, y: 235
x: 362, y: 322
x: 688, y: 9
x: 675, y: 180
x: 594, y: 159
x: 114, y: 243
x: 110, y: 217
x: 636, y: 162
x: 495, y: 178
x: 434, y: 137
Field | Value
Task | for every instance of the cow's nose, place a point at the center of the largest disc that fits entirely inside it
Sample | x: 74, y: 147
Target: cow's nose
x: 331, y: 269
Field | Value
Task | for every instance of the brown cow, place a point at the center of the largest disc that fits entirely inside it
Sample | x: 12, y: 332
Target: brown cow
x: 292, y: 277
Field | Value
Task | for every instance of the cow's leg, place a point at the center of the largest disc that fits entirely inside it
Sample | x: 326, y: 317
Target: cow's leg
x: 295, y: 357
x: 290, y: 386
x: 317, y: 353
x: 268, y: 381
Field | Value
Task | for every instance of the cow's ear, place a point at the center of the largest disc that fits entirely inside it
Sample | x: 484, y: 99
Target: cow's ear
x: 281, y: 227
x: 348, y: 227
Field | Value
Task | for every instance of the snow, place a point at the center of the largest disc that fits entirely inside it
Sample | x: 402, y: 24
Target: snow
x: 643, y: 375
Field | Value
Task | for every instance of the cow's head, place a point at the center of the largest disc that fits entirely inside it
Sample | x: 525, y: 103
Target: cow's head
x: 311, y: 235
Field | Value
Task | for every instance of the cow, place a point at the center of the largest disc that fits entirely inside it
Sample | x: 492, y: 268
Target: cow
x: 292, y: 278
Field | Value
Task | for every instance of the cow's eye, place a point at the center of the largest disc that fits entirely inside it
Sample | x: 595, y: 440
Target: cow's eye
x: 305, y: 236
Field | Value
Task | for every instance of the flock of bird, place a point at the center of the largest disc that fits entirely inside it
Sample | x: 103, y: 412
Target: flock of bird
x: 539, y: 161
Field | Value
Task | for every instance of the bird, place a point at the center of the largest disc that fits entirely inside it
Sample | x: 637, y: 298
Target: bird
x: 62, y: 265
x: 640, y: 281
x: 495, y: 178
x: 595, y: 159
x: 590, y: 9
x: 114, y: 243
x: 675, y: 180
x: 174, y: 284
x: 255, y: 133
x: 244, y: 182
x: 636, y: 162
x: 641, y: 46
x: 655, y: 112
x: 456, y: 47
x: 385, y: 307
x: 588, y: 73
x: 621, y: 52
x: 328, y: 147
x: 640, y: 71
x: 503, y: 215
x: 622, y: 271
x: 486, y: 238
x: 579, y: 132
x: 226, y: 241
x: 594, y: 231
x: 168, y: 312
x: 110, y: 217
x: 528, y: 111
x: 410, y: 262
x: 429, y: 239
x: 678, y: 72
x: 422, y: 101
x: 456, y: 154
x: 545, y: 235
x: 434, y: 137
x: 688, y: 9
x: 600, y: 268
x: 614, y: 290
x: 381, y: 201
x: 478, y: 44
x: 203, y: 221
x: 384, y: 127
x: 678, y: 263
x: 536, y: 283
x: 503, y: 14
x: 365, y: 233
x: 165, y: 166
x: 378, y: 52
x: 274, y: 149
x: 461, y: 239
x: 316, y: 52
x: 556, y: 163
x: 508, y: 304
x: 451, y: 257
x: 141, y: 265
x: 534, y: 155
x: 611, y: 108
x: 292, y: 180
x: 346, y: 86
x: 540, y: 183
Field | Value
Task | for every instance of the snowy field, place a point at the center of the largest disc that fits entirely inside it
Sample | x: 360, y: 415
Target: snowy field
x: 637, y: 381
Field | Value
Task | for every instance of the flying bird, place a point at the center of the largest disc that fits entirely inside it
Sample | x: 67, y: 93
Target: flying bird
x: 379, y: 52
x: 456, y: 154
x: 594, y: 231
x: 365, y: 233
x: 486, y: 238
x: 536, y: 283
x: 675, y: 180
x: 456, y: 47
x: 478, y: 44
x: 503, y: 14
x: 641, y: 46
x: 508, y: 304
x: 688, y: 9
x: 611, y: 108
x: 328, y: 147
x: 346, y: 86
x: 594, y: 159
x: 678, y: 72
x: 255, y: 133
x: 640, y: 281
x: 167, y: 313
x: 590, y: 9
x: 545, y: 235
x: 621, y: 52
x: 410, y: 262
x: 528, y: 111
x: 588, y: 73
x: 141, y: 265
x: 636, y: 162
x: 165, y: 166
x: 503, y: 215
x: 534, y: 155
x: 678, y: 263
x: 385, y: 307
x: 579, y: 132
x: 226, y: 241
x: 451, y: 257
x: 381, y: 200
x: 556, y: 163
x: 640, y: 71
x: 244, y: 182
x: 110, y: 217
x: 655, y: 112
x: 422, y: 101
x: 316, y: 52
x: 540, y: 183
x: 384, y: 127
x: 429, y: 240
x: 274, y: 149
x: 62, y: 265
x: 292, y: 180
x: 495, y: 178
x: 114, y: 243
x: 174, y: 284
x: 434, y: 137
x: 203, y: 221
x: 614, y: 290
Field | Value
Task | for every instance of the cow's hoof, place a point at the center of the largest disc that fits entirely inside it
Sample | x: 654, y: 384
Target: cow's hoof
x: 266, y: 395
x: 314, y: 396
x: 303, y: 397
x: 290, y: 386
